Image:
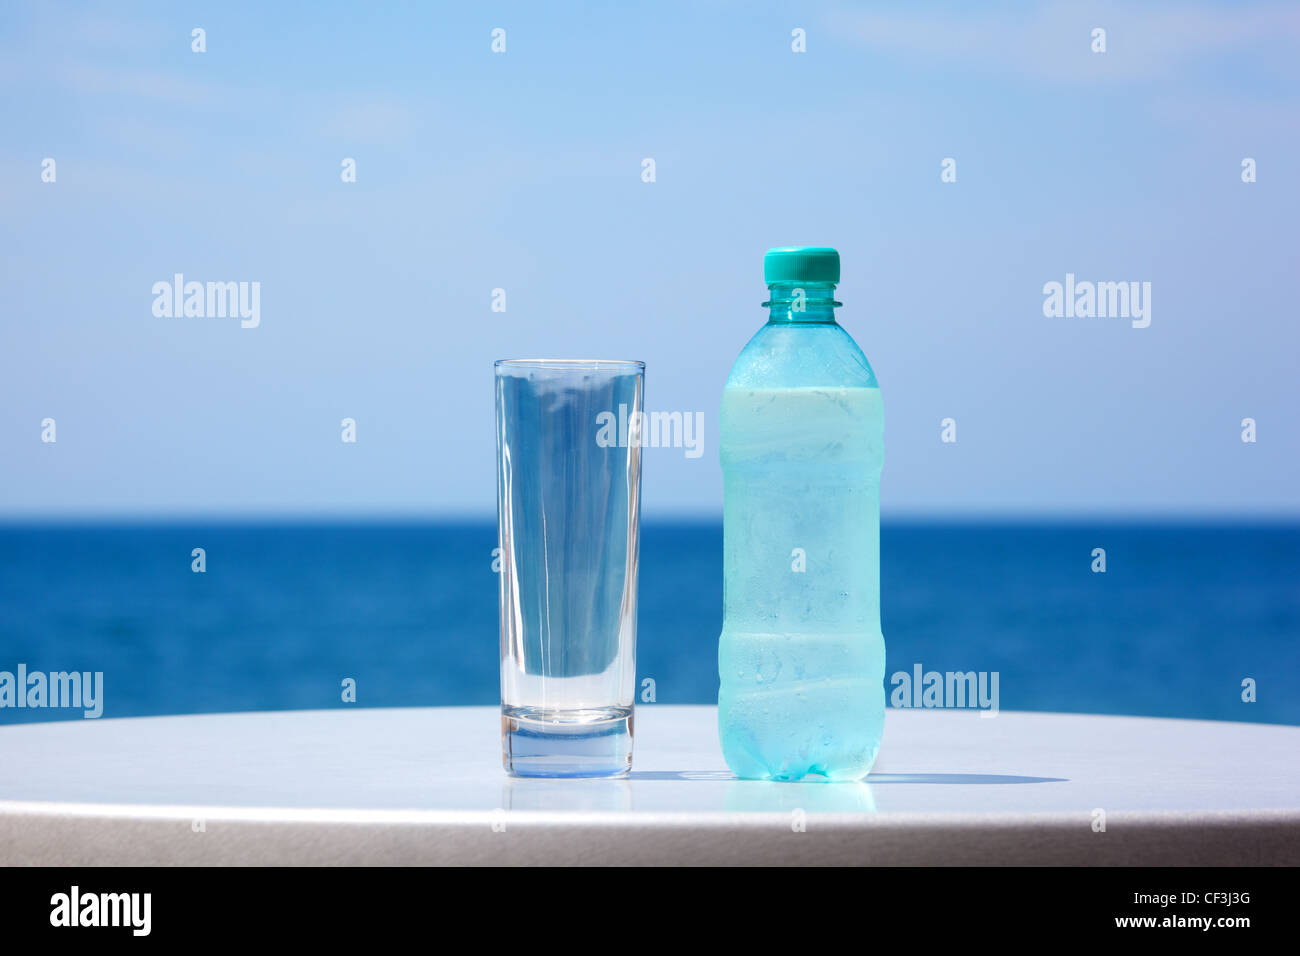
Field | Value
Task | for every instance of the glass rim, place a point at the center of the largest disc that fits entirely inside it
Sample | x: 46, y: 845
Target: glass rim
x: 572, y: 364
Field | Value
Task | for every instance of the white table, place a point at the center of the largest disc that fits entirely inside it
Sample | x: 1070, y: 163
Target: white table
x: 425, y: 786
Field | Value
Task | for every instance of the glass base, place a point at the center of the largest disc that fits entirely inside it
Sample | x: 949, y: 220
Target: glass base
x: 596, y: 742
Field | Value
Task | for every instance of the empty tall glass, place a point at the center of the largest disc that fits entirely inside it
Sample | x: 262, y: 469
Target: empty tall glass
x: 568, y: 509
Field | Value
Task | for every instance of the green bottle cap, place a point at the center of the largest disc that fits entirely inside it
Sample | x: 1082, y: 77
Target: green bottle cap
x: 801, y: 264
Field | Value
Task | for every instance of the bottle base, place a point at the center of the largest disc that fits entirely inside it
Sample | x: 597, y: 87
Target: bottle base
x: 811, y: 775
x: 826, y: 735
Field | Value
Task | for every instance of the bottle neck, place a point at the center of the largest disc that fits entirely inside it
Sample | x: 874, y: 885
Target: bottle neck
x: 801, y: 303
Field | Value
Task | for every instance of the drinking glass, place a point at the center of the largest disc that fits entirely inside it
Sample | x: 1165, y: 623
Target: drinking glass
x: 568, y: 510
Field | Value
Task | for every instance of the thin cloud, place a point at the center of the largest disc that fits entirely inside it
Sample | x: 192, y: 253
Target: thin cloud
x: 146, y: 84
x: 1053, y: 42
x: 375, y: 121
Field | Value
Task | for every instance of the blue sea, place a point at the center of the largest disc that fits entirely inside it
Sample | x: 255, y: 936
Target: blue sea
x: 283, y: 614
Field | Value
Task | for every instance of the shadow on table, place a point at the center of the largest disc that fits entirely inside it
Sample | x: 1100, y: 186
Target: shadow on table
x: 876, y: 778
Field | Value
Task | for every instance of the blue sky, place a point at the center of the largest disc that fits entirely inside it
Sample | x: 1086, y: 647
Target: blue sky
x: 522, y: 171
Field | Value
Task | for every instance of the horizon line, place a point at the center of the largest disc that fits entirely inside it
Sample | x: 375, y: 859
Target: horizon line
x: 1130, y: 516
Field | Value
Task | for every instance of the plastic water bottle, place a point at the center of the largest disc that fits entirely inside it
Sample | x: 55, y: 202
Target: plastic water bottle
x: 801, y: 657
